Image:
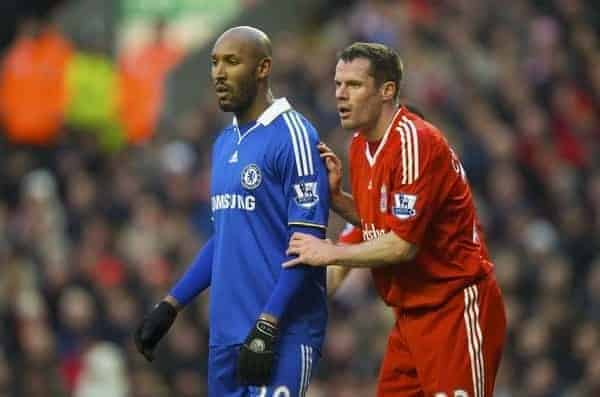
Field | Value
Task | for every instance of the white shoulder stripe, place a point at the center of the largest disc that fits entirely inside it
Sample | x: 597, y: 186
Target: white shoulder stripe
x: 301, y: 143
x: 402, y: 132
x: 415, y: 136
x: 294, y: 144
x: 311, y: 169
x: 410, y: 151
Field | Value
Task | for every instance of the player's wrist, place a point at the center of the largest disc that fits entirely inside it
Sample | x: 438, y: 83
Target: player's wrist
x: 337, y: 255
x: 269, y: 317
x: 171, y: 300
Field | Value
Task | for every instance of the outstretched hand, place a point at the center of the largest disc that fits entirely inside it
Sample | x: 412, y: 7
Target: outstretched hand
x: 311, y: 251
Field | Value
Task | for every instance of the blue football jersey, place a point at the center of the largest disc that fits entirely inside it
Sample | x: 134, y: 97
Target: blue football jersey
x: 264, y: 181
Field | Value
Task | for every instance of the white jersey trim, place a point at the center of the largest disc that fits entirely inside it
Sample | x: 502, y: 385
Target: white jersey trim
x: 300, y: 143
x: 474, y: 340
x: 410, y: 150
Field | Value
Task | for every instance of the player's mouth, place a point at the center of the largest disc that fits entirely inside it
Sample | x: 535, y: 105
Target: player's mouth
x: 222, y: 90
x: 344, y: 112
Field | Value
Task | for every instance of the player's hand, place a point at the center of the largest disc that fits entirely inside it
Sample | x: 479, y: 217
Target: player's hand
x: 334, y: 168
x: 257, y: 354
x: 153, y: 327
x: 311, y: 251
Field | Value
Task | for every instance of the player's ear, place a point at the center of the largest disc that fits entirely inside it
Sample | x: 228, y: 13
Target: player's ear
x: 263, y: 69
x: 388, y: 91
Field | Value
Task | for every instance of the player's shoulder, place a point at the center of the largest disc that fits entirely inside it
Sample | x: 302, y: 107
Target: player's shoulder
x: 295, y: 130
x: 415, y: 132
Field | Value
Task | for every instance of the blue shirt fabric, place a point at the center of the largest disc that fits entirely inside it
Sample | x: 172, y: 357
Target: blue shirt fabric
x: 266, y: 180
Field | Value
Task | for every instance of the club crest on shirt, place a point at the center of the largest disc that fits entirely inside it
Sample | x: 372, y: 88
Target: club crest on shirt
x: 251, y: 176
x: 306, y: 194
x: 383, y: 199
x: 404, y: 205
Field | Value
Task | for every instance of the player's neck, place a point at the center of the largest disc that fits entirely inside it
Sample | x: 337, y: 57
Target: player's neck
x: 378, y: 130
x: 261, y: 102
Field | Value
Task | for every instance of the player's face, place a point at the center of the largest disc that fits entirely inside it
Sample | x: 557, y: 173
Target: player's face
x: 233, y: 72
x: 358, y: 98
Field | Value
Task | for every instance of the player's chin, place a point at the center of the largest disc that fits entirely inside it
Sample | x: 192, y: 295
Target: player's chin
x: 226, y: 105
x: 348, y: 124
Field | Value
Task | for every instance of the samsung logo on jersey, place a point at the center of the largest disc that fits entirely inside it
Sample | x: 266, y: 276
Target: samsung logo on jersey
x: 233, y: 201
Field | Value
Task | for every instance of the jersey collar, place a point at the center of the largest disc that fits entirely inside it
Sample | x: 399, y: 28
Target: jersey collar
x: 373, y: 158
x: 279, y: 106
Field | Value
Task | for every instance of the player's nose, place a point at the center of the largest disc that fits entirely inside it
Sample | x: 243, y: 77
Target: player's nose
x: 218, y: 72
x: 341, y: 92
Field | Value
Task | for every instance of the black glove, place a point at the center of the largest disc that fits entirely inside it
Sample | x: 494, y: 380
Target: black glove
x: 153, y: 327
x: 257, y: 354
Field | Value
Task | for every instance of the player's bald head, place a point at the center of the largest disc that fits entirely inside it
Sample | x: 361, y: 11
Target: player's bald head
x: 253, y: 40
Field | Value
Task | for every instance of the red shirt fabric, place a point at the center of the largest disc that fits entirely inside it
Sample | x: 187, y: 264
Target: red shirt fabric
x: 350, y: 235
x: 415, y: 186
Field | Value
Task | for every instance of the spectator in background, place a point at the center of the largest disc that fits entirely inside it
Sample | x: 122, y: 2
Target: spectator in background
x: 92, y: 81
x: 33, y: 92
x: 103, y: 373
x: 142, y: 75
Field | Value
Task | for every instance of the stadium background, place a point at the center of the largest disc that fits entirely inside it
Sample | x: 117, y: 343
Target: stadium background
x: 104, y: 141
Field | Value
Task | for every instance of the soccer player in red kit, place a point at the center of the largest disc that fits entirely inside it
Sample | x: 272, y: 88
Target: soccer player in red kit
x: 421, y: 237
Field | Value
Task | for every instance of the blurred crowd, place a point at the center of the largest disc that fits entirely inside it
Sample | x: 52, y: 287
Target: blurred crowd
x: 90, y: 237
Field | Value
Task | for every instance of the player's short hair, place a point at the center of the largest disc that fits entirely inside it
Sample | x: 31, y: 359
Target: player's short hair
x: 386, y: 64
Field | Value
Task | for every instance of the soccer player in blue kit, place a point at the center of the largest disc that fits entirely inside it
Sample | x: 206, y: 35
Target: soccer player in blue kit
x: 266, y: 323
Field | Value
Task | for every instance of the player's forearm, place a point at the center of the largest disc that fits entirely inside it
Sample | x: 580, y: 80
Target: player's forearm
x: 290, y: 282
x: 196, y: 278
x: 288, y: 285
x: 335, y: 276
x: 343, y: 204
x: 386, y: 250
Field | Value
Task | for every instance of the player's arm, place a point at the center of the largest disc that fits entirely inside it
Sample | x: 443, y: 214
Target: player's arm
x: 335, y: 277
x: 158, y: 321
x: 337, y: 274
x: 386, y: 250
x: 341, y: 202
x: 343, y: 205
x: 304, y: 182
x: 290, y: 282
x: 414, y: 195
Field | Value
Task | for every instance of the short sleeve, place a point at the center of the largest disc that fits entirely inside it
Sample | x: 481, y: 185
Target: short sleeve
x: 350, y: 234
x: 416, y: 184
x: 305, y: 182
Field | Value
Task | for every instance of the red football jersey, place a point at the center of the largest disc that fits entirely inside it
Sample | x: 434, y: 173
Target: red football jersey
x: 415, y: 185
